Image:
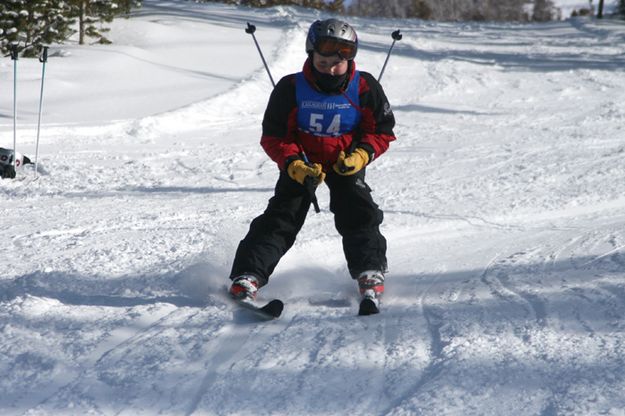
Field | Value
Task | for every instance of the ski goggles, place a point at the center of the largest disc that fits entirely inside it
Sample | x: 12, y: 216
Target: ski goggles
x: 332, y: 46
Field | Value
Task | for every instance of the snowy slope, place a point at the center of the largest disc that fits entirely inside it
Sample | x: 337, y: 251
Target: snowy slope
x: 504, y: 212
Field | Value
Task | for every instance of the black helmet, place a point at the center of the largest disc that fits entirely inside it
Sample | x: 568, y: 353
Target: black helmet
x: 332, y: 37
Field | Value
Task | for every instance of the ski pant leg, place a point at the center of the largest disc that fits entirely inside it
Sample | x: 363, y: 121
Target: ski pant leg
x: 273, y: 233
x: 357, y: 218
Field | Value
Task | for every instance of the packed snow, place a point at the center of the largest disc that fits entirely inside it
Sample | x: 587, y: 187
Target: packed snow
x: 504, y: 200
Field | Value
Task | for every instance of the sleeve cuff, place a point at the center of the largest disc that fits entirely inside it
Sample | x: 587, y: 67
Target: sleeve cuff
x: 290, y: 159
x: 369, y: 149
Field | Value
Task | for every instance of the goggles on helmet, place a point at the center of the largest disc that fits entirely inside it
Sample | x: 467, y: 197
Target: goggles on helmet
x: 327, y: 46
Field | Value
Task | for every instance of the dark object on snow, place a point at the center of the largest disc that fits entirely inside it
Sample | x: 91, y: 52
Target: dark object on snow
x: 8, y: 172
x: 271, y: 310
x: 7, y: 167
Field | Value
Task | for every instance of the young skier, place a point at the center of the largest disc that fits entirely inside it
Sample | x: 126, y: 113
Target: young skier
x: 326, y: 123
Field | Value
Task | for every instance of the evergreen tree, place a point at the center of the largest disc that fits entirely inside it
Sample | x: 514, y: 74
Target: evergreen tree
x: 91, y: 16
x: 419, y: 9
x: 620, y: 9
x: 543, y: 10
x: 336, y: 6
x: 29, y: 24
x: 125, y: 6
x: 32, y: 23
x: 371, y: 8
x: 506, y: 10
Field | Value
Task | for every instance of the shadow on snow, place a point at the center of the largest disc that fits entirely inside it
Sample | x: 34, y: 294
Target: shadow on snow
x: 578, y: 293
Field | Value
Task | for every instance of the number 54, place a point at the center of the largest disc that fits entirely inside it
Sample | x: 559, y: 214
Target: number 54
x: 317, y: 126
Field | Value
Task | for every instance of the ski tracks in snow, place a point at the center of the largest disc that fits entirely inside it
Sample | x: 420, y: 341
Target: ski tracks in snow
x: 527, y: 316
x: 233, y: 344
x: 146, y: 364
x: 549, y: 292
x: 427, y: 355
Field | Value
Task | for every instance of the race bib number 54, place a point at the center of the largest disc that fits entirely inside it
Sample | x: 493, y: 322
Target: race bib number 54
x: 320, y: 126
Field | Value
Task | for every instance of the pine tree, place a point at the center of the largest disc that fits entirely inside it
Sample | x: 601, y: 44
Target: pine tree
x: 543, y: 10
x: 506, y: 10
x: 125, y: 6
x: 620, y: 9
x: 91, y: 15
x: 29, y: 24
x: 314, y: 4
x: 371, y: 8
x: 419, y: 9
x: 336, y: 6
x: 257, y: 3
x: 32, y: 23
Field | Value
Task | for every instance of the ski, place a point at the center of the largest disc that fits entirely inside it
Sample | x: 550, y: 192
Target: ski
x: 271, y: 310
x: 368, y: 306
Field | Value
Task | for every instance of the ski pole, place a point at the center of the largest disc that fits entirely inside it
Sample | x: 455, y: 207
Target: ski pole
x: 308, y: 182
x: 396, y: 36
x: 310, y: 185
x: 357, y: 136
x: 14, y: 56
x: 251, y: 29
x: 43, y: 59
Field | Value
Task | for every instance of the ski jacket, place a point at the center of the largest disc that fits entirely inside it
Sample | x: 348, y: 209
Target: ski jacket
x: 283, y: 137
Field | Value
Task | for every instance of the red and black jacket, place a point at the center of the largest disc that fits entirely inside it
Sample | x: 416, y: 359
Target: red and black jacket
x: 283, y: 141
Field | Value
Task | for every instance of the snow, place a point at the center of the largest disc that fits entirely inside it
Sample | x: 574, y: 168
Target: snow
x: 504, y: 214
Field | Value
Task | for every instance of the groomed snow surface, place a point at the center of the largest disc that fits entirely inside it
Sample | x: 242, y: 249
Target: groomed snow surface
x: 504, y: 200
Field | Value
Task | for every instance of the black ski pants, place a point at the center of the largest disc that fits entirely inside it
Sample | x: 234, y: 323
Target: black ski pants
x: 356, y: 216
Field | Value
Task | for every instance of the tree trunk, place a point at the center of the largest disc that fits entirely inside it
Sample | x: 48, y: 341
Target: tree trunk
x: 600, y: 12
x: 81, y: 23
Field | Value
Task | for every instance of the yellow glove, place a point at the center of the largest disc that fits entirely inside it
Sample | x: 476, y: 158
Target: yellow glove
x: 349, y: 165
x: 298, y: 170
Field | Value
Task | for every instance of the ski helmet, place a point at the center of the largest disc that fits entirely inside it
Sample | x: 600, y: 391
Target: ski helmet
x: 332, y: 37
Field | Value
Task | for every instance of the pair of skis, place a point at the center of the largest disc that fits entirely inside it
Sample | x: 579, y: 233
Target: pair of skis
x: 273, y: 309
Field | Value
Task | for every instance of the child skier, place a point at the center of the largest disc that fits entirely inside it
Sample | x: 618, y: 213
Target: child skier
x: 326, y: 123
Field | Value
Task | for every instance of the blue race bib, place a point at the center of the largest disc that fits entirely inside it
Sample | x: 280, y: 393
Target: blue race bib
x: 320, y: 114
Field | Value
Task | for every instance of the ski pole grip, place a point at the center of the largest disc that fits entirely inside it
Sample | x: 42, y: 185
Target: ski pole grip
x: 44, y: 55
x: 251, y: 29
x: 14, y: 54
x: 310, y: 185
x: 396, y: 35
